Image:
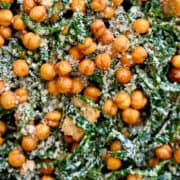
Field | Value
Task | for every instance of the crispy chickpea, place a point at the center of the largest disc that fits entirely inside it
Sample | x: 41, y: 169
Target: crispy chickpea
x: 52, y: 87
x: 107, y: 37
x: 103, y: 61
x: 8, y: 100
x: 98, y: 5
x: 174, y: 75
x: 28, y: 5
x: 116, y: 146
x: 109, y: 108
x: 90, y: 49
x: 153, y: 162
x: 123, y: 75
x: 133, y: 177
x: 78, y: 5
x: 63, y: 68
x: 5, y: 17
x: 176, y: 61
x: 47, y: 71
x: 16, y: 158
x: 177, y: 156
x: 20, y: 68
x: 2, y: 86
x: 42, y: 131
x: 123, y: 100
x: 53, y: 118
x: 139, y: 55
x: 141, y: 26
x: 86, y: 67
x: 64, y: 84
x: 113, y: 163
x: 29, y: 143
x: 1, y: 140
x: 68, y: 139
x: 22, y: 95
x: 31, y: 41
x: 121, y: 44
x: 2, y: 41
x: 171, y: 7
x: 3, y: 128
x: 77, y: 86
x: 130, y: 116
x: 47, y: 178
x: 92, y: 93
x: 75, y: 53
x: 47, y: 170
x: 108, y: 12
x: 5, y: 32
x: 117, y: 2
x: 164, y: 152
x: 18, y: 24
x: 38, y: 13
x: 126, y: 60
x: 7, y: 1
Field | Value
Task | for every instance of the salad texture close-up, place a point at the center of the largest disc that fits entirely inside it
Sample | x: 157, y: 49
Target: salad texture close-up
x: 89, y: 89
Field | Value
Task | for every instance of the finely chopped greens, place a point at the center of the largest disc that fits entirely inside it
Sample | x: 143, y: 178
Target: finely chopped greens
x: 160, y: 119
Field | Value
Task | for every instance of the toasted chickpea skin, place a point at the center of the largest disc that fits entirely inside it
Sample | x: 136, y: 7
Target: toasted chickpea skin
x: 8, y: 100
x: 16, y: 158
x: 103, y: 61
x: 47, y: 170
x: 113, y: 163
x: 2, y: 41
x: 75, y: 53
x: 53, y: 118
x: 29, y: 143
x: 52, y: 87
x: 109, y: 108
x: 77, y: 86
x: 164, y: 152
x: 47, y: 178
x: 92, y: 93
x: 5, y: 32
x: 141, y: 26
x: 108, y: 12
x: 63, y: 68
x: 123, y: 75
x: 116, y: 146
x: 98, y: 5
x: 38, y: 13
x: 22, y: 95
x: 5, y: 17
x: 107, y: 37
x: 86, y: 67
x: 153, y: 162
x: 64, y: 84
x: 117, y: 2
x: 47, y: 71
x: 42, y: 131
x: 18, y: 24
x: 78, y: 5
x: 28, y: 5
x: 176, y: 61
x: 177, y: 156
x: 3, y: 128
x: 133, y: 177
x: 126, y: 60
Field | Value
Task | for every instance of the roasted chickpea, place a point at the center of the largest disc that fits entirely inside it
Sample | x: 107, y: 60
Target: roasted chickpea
x: 177, y: 156
x: 176, y: 61
x: 126, y: 60
x: 98, y: 5
x: 133, y: 177
x: 16, y: 158
x: 123, y: 75
x: 5, y: 32
x: 47, y: 71
x: 121, y: 44
x: 75, y: 53
x: 63, y: 68
x: 109, y: 108
x: 90, y: 49
x: 78, y: 5
x: 2, y: 86
x: 171, y: 7
x: 123, y: 100
x: 107, y: 37
x: 20, y: 68
x: 92, y: 93
x: 174, y: 75
x: 3, y: 128
x: 31, y: 41
x: 7, y: 1
x: 47, y: 170
x: 68, y: 139
x: 139, y: 55
x: 18, y: 24
x: 28, y: 5
x: 8, y: 100
x: 1, y: 140
x: 130, y: 116
x: 22, y: 95
x: 113, y: 163
x: 141, y: 26
x: 52, y: 87
x: 53, y: 118
x: 164, y: 152
x: 64, y: 84
x: 29, y: 143
x: 47, y: 178
x: 38, y: 13
x: 153, y: 162
x: 86, y: 67
x: 2, y: 41
x: 108, y: 12
x: 116, y: 146
x: 77, y: 86
x: 5, y: 17
x: 42, y: 131
x: 117, y: 2
x: 103, y: 61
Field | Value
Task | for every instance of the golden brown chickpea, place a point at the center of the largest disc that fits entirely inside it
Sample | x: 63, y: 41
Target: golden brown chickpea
x: 139, y: 55
x: 133, y: 177
x: 123, y: 100
x: 3, y: 128
x: 2, y: 41
x: 153, y: 162
x: 29, y: 143
x: 16, y: 158
x: 1, y: 140
x: 117, y: 2
x: 63, y: 68
x: 8, y: 100
x: 109, y: 108
x: 130, y: 116
x: 90, y: 49
x: 138, y: 100
x: 28, y: 5
x: 22, y: 95
x: 164, y: 152
x: 52, y: 87
x: 7, y: 1
x: 126, y: 60
x: 78, y: 5
x: 103, y: 61
x: 123, y: 75
x: 47, y: 170
x: 86, y: 67
x: 64, y: 84
x: 92, y: 93
x: 42, y: 131
x: 47, y: 178
x: 47, y: 71
x: 31, y: 41
x: 141, y: 26
x: 98, y: 5
x: 20, y: 68
x: 2, y: 86
x: 107, y: 37
x: 75, y: 53
x: 68, y: 139
x: 177, y: 156
x: 116, y: 146
x: 113, y: 163
x: 5, y: 32
x: 18, y: 24
x: 121, y: 44
x: 176, y: 61
x: 53, y: 118
x: 174, y: 75
x: 77, y: 86
x: 108, y: 12
x: 5, y: 17
x: 38, y: 13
